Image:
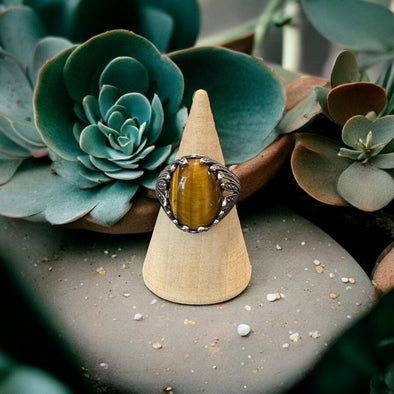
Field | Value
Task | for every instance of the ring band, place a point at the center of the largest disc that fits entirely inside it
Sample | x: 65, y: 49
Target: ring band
x: 196, y: 192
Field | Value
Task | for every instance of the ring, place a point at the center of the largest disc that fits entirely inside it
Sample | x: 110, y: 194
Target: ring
x: 196, y: 192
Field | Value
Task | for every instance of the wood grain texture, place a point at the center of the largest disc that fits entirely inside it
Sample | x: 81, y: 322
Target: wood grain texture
x: 202, y: 268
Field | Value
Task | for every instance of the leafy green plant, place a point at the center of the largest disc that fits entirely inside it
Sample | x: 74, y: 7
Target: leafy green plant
x: 165, y: 23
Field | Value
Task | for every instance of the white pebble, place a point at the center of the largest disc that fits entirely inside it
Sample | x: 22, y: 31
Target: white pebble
x: 104, y: 365
x: 243, y: 330
x: 294, y: 337
x: 248, y: 307
x: 314, y: 334
x: 278, y: 247
x: 274, y: 296
x: 138, y: 316
x: 345, y: 280
x: 316, y: 262
x: 285, y: 346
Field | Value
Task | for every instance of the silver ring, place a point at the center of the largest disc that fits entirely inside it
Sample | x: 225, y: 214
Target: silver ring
x: 196, y: 192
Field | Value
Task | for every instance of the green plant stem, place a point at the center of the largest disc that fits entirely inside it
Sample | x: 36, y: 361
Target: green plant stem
x: 229, y: 35
x: 265, y: 22
x: 291, y: 42
x: 261, y: 26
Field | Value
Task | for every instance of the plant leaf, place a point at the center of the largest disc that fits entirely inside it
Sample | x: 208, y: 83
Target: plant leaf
x: 316, y: 167
x: 157, y: 26
x: 357, y: 98
x: 8, y: 169
x: 45, y: 49
x: 300, y: 114
x: 366, y: 187
x: 43, y: 195
x: 354, y: 24
x: 20, y: 29
x: 383, y: 161
x: 90, y: 58
x: 16, y: 92
x: 53, y: 109
x: 115, y: 202
x: 247, y: 99
x: 126, y: 74
x: 345, y: 69
x: 358, y: 127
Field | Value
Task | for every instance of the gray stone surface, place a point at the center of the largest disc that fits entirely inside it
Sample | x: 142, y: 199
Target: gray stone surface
x: 91, y: 287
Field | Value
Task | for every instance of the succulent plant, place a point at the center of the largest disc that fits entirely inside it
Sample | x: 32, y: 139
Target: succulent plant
x: 111, y: 111
x: 19, y: 138
x: 167, y: 24
x: 361, y: 174
x: 127, y: 113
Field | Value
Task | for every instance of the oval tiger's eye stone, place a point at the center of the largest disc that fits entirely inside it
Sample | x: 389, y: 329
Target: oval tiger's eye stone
x: 195, y: 195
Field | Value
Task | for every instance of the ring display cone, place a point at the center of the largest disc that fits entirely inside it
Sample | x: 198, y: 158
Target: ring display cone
x: 202, y: 268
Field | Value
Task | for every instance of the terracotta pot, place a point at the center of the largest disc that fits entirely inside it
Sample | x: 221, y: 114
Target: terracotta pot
x: 383, y: 275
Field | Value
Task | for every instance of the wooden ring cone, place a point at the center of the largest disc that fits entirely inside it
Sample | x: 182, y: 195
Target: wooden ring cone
x: 207, y: 267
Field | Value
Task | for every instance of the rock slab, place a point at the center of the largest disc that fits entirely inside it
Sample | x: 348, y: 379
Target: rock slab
x: 304, y: 290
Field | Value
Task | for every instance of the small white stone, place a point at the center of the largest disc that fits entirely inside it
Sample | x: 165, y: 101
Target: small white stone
x: 285, y: 346
x: 104, y: 365
x: 314, y: 334
x: 316, y: 262
x: 295, y: 337
x: 243, y: 330
x: 138, y: 316
x: 331, y: 275
x: 248, y: 307
x: 344, y: 280
x: 278, y: 247
x: 271, y: 297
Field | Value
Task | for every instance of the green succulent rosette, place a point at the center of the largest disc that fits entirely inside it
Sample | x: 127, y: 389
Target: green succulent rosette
x: 111, y: 112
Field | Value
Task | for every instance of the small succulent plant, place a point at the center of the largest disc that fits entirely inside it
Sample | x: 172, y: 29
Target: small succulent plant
x: 127, y: 116
x: 359, y: 173
x: 357, y: 166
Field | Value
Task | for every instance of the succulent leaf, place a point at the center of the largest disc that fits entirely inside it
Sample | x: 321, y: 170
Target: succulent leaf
x: 8, y: 168
x: 20, y: 30
x: 362, y: 134
x: 246, y: 109
x: 16, y: 91
x: 317, y: 167
x: 353, y: 23
x: 345, y: 69
x: 356, y: 98
x: 45, y: 49
x: 127, y: 74
x: 384, y: 161
x: 366, y: 187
